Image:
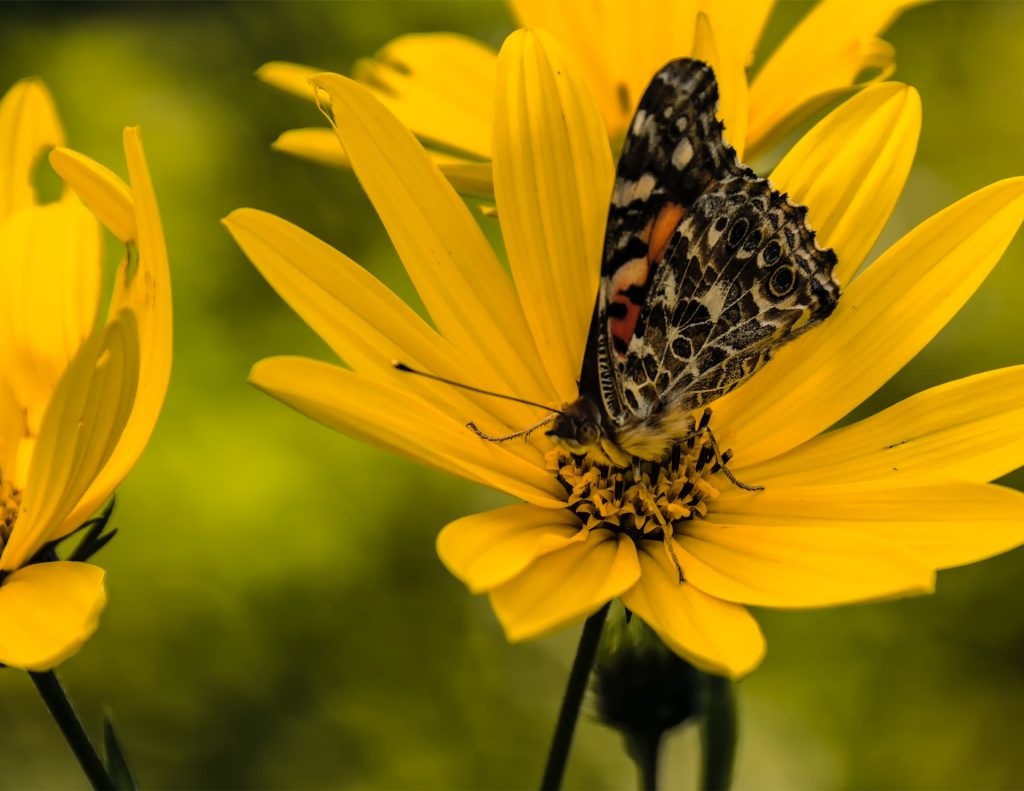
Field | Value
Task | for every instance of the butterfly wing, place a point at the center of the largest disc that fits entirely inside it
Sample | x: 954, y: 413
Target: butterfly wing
x: 674, y: 150
x: 706, y: 270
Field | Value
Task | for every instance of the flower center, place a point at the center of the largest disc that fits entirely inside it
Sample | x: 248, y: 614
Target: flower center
x: 649, y: 500
x: 10, y: 501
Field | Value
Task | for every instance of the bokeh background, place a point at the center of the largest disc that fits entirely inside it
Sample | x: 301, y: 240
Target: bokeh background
x: 278, y: 617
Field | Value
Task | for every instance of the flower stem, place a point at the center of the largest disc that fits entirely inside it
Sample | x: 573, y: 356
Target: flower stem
x: 57, y: 702
x: 644, y: 749
x: 586, y: 651
x: 718, y: 734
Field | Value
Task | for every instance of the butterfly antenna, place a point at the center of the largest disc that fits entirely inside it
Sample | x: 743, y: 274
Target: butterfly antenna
x: 524, y: 433
x: 400, y: 366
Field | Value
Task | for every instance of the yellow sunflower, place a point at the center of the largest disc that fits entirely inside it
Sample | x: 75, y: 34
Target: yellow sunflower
x: 864, y: 512
x: 78, y: 397
x: 442, y: 84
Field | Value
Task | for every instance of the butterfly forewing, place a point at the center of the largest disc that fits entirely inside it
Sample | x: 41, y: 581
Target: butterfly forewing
x: 706, y: 268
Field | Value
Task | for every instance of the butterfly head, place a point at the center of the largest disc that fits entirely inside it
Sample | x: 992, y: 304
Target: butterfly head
x: 580, y: 429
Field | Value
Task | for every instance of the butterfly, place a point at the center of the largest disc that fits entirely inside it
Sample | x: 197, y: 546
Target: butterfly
x: 706, y: 271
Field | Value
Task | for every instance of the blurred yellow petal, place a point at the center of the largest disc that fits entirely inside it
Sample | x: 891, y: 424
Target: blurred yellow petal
x: 103, y: 193
x: 144, y: 289
x: 441, y: 85
x: 714, y: 635
x: 944, y: 524
x: 617, y: 44
x: 317, y: 144
x: 82, y: 424
x: 795, y: 567
x: 740, y: 22
x: 13, y: 430
x: 293, y: 78
x: 28, y: 126
x: 563, y: 587
x: 820, y: 59
x: 552, y: 180
x: 463, y: 286
x: 321, y: 145
x: 390, y: 417
x: 47, y: 611
x: 50, y: 267
x: 885, y: 317
x: 487, y: 549
x: 849, y: 170
x: 721, y: 54
x: 362, y: 320
x: 971, y: 429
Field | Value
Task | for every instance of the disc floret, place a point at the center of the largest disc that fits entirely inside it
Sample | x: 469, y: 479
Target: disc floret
x: 647, y: 500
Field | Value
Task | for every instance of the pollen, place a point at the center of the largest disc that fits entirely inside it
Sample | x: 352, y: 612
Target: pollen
x: 649, y: 500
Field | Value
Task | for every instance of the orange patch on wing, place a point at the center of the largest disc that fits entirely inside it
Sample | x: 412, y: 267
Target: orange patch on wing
x: 664, y: 226
x: 635, y: 273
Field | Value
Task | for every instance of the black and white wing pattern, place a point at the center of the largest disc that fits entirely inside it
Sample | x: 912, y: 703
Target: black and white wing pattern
x: 706, y: 270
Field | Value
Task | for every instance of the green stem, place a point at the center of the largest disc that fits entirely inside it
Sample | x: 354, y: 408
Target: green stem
x: 57, y: 702
x: 718, y: 735
x: 586, y: 652
x: 644, y: 749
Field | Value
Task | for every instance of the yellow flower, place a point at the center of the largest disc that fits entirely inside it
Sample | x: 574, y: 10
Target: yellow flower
x: 864, y: 512
x: 78, y: 398
x: 442, y: 85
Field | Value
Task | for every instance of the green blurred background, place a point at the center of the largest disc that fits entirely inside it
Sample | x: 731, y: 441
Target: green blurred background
x: 277, y: 614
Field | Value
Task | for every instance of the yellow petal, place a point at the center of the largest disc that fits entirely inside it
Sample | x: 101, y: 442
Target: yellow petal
x: 944, y: 523
x: 849, y: 170
x: 487, y: 549
x: 552, y: 180
x: 28, y: 126
x: 321, y: 145
x: 293, y: 78
x: 362, y: 321
x: 803, y: 566
x: 971, y: 429
x: 47, y: 611
x: 563, y: 587
x: 721, y: 54
x: 13, y: 431
x: 817, y: 61
x: 145, y: 290
x: 618, y: 45
x: 317, y: 144
x: 740, y: 22
x: 50, y: 267
x: 441, y: 85
x: 392, y: 418
x: 714, y: 635
x: 885, y: 317
x: 462, y: 284
x: 82, y: 424
x: 99, y: 189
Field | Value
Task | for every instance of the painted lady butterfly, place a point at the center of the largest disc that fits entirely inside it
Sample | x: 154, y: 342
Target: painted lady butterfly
x: 707, y: 270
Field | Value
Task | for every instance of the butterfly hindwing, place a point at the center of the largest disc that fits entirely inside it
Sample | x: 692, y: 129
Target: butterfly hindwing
x: 741, y: 276
x: 706, y: 268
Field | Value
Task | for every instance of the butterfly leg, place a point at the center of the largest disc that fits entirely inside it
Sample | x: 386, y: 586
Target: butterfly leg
x: 704, y: 428
x: 672, y: 555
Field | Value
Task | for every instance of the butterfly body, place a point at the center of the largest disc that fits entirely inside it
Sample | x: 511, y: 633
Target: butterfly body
x: 706, y: 271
